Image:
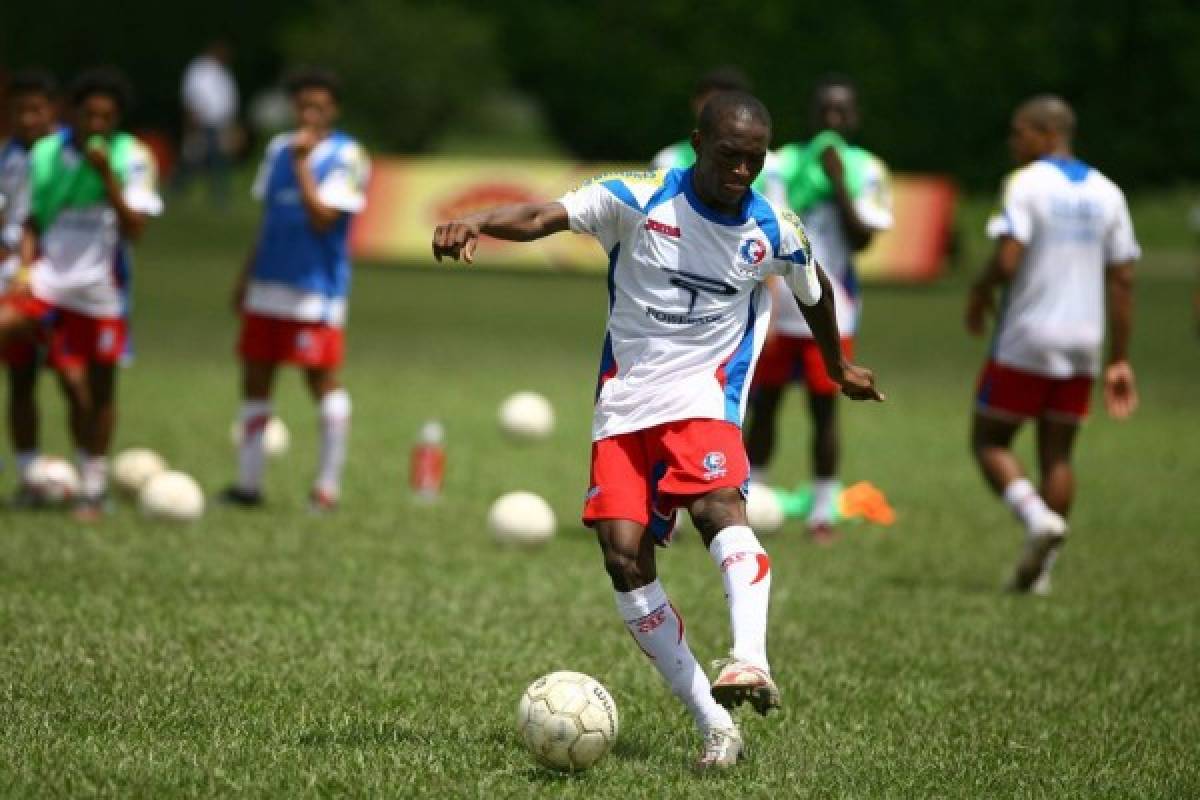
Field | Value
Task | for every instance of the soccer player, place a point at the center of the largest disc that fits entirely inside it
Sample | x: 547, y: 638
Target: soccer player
x: 92, y: 189
x: 31, y: 106
x: 1064, y: 240
x: 841, y: 194
x: 292, y: 292
x: 688, y: 252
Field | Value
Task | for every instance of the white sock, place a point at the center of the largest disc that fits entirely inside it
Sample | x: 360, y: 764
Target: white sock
x: 1025, y: 503
x: 658, y: 630
x: 252, y: 456
x: 825, y: 498
x: 746, y: 571
x: 25, y: 460
x: 335, y: 430
x: 93, y: 474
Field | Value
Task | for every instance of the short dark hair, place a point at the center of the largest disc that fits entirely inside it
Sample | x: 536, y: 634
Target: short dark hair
x: 732, y: 103
x: 303, y: 78
x: 721, y: 79
x: 107, y: 81
x: 33, y: 81
x: 831, y: 79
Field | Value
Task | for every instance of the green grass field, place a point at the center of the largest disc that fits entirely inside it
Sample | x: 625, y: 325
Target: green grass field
x: 381, y: 652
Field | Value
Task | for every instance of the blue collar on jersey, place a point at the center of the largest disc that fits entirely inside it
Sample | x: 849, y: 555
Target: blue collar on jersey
x: 1075, y: 170
x: 711, y: 214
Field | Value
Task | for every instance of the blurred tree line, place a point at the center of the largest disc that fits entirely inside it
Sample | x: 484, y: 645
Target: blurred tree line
x: 938, y: 78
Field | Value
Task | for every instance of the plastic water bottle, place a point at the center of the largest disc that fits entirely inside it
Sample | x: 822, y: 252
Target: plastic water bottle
x: 428, y: 465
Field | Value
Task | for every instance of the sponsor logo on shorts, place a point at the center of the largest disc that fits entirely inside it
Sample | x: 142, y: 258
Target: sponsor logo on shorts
x: 304, y: 341
x: 714, y: 465
x: 591, y: 493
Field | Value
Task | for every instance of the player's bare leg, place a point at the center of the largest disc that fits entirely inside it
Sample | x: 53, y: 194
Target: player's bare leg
x: 23, y: 424
x: 91, y: 408
x: 826, y: 453
x: 333, y: 402
x: 258, y: 379
x: 761, y: 427
x: 720, y: 516
x: 1055, y: 441
x: 991, y: 442
x: 656, y: 626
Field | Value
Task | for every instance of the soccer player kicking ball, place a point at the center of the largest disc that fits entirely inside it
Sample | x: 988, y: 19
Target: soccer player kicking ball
x: 688, y: 253
x: 292, y: 292
x: 92, y: 189
x: 841, y: 194
x: 31, y: 106
x: 1064, y: 240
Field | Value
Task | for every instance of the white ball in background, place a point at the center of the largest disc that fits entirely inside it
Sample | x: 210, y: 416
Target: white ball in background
x: 133, y: 467
x: 521, y: 518
x: 276, y: 438
x: 763, y: 509
x: 527, y: 416
x: 55, y: 480
x: 172, y: 496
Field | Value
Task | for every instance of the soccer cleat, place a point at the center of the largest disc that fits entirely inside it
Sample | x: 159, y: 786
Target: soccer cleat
x: 321, y: 502
x: 1032, y: 573
x: 738, y: 681
x: 723, y: 748
x: 90, y: 509
x: 822, y: 532
x: 242, y: 498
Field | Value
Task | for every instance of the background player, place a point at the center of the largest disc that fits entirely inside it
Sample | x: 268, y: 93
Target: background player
x: 841, y: 193
x: 1064, y: 240
x: 681, y: 154
x: 292, y: 292
x: 92, y: 188
x: 688, y: 252
x: 31, y: 96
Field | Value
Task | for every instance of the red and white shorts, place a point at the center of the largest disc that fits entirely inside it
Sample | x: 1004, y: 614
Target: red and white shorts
x: 1016, y: 394
x: 289, y: 341
x: 643, y: 476
x: 787, y: 358
x: 74, y: 339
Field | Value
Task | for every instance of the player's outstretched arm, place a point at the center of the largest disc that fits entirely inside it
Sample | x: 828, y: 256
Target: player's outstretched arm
x: 520, y: 222
x: 858, y: 383
x: 999, y: 271
x: 1120, y: 388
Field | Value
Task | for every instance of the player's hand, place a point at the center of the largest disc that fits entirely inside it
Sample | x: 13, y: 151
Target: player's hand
x: 302, y: 144
x: 456, y: 239
x: 858, y: 383
x: 1120, y: 390
x: 97, y: 155
x: 980, y: 305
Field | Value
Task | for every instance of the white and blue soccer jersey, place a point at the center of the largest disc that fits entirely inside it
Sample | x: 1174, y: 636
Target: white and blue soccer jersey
x: 1074, y: 223
x: 298, y: 272
x: 688, y: 310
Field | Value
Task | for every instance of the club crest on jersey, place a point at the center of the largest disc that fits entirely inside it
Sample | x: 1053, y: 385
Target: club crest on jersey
x: 714, y: 465
x: 751, y: 252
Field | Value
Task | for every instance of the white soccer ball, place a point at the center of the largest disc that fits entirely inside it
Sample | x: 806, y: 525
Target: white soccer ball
x: 54, y: 480
x: 763, y: 509
x: 568, y: 720
x: 172, y: 496
x: 276, y: 438
x: 527, y: 416
x: 133, y: 467
x: 522, y: 518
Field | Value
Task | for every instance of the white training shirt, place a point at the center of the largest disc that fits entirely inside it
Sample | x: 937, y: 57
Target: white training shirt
x: 84, y: 260
x: 209, y: 92
x: 834, y: 252
x: 687, y: 311
x: 1074, y: 223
